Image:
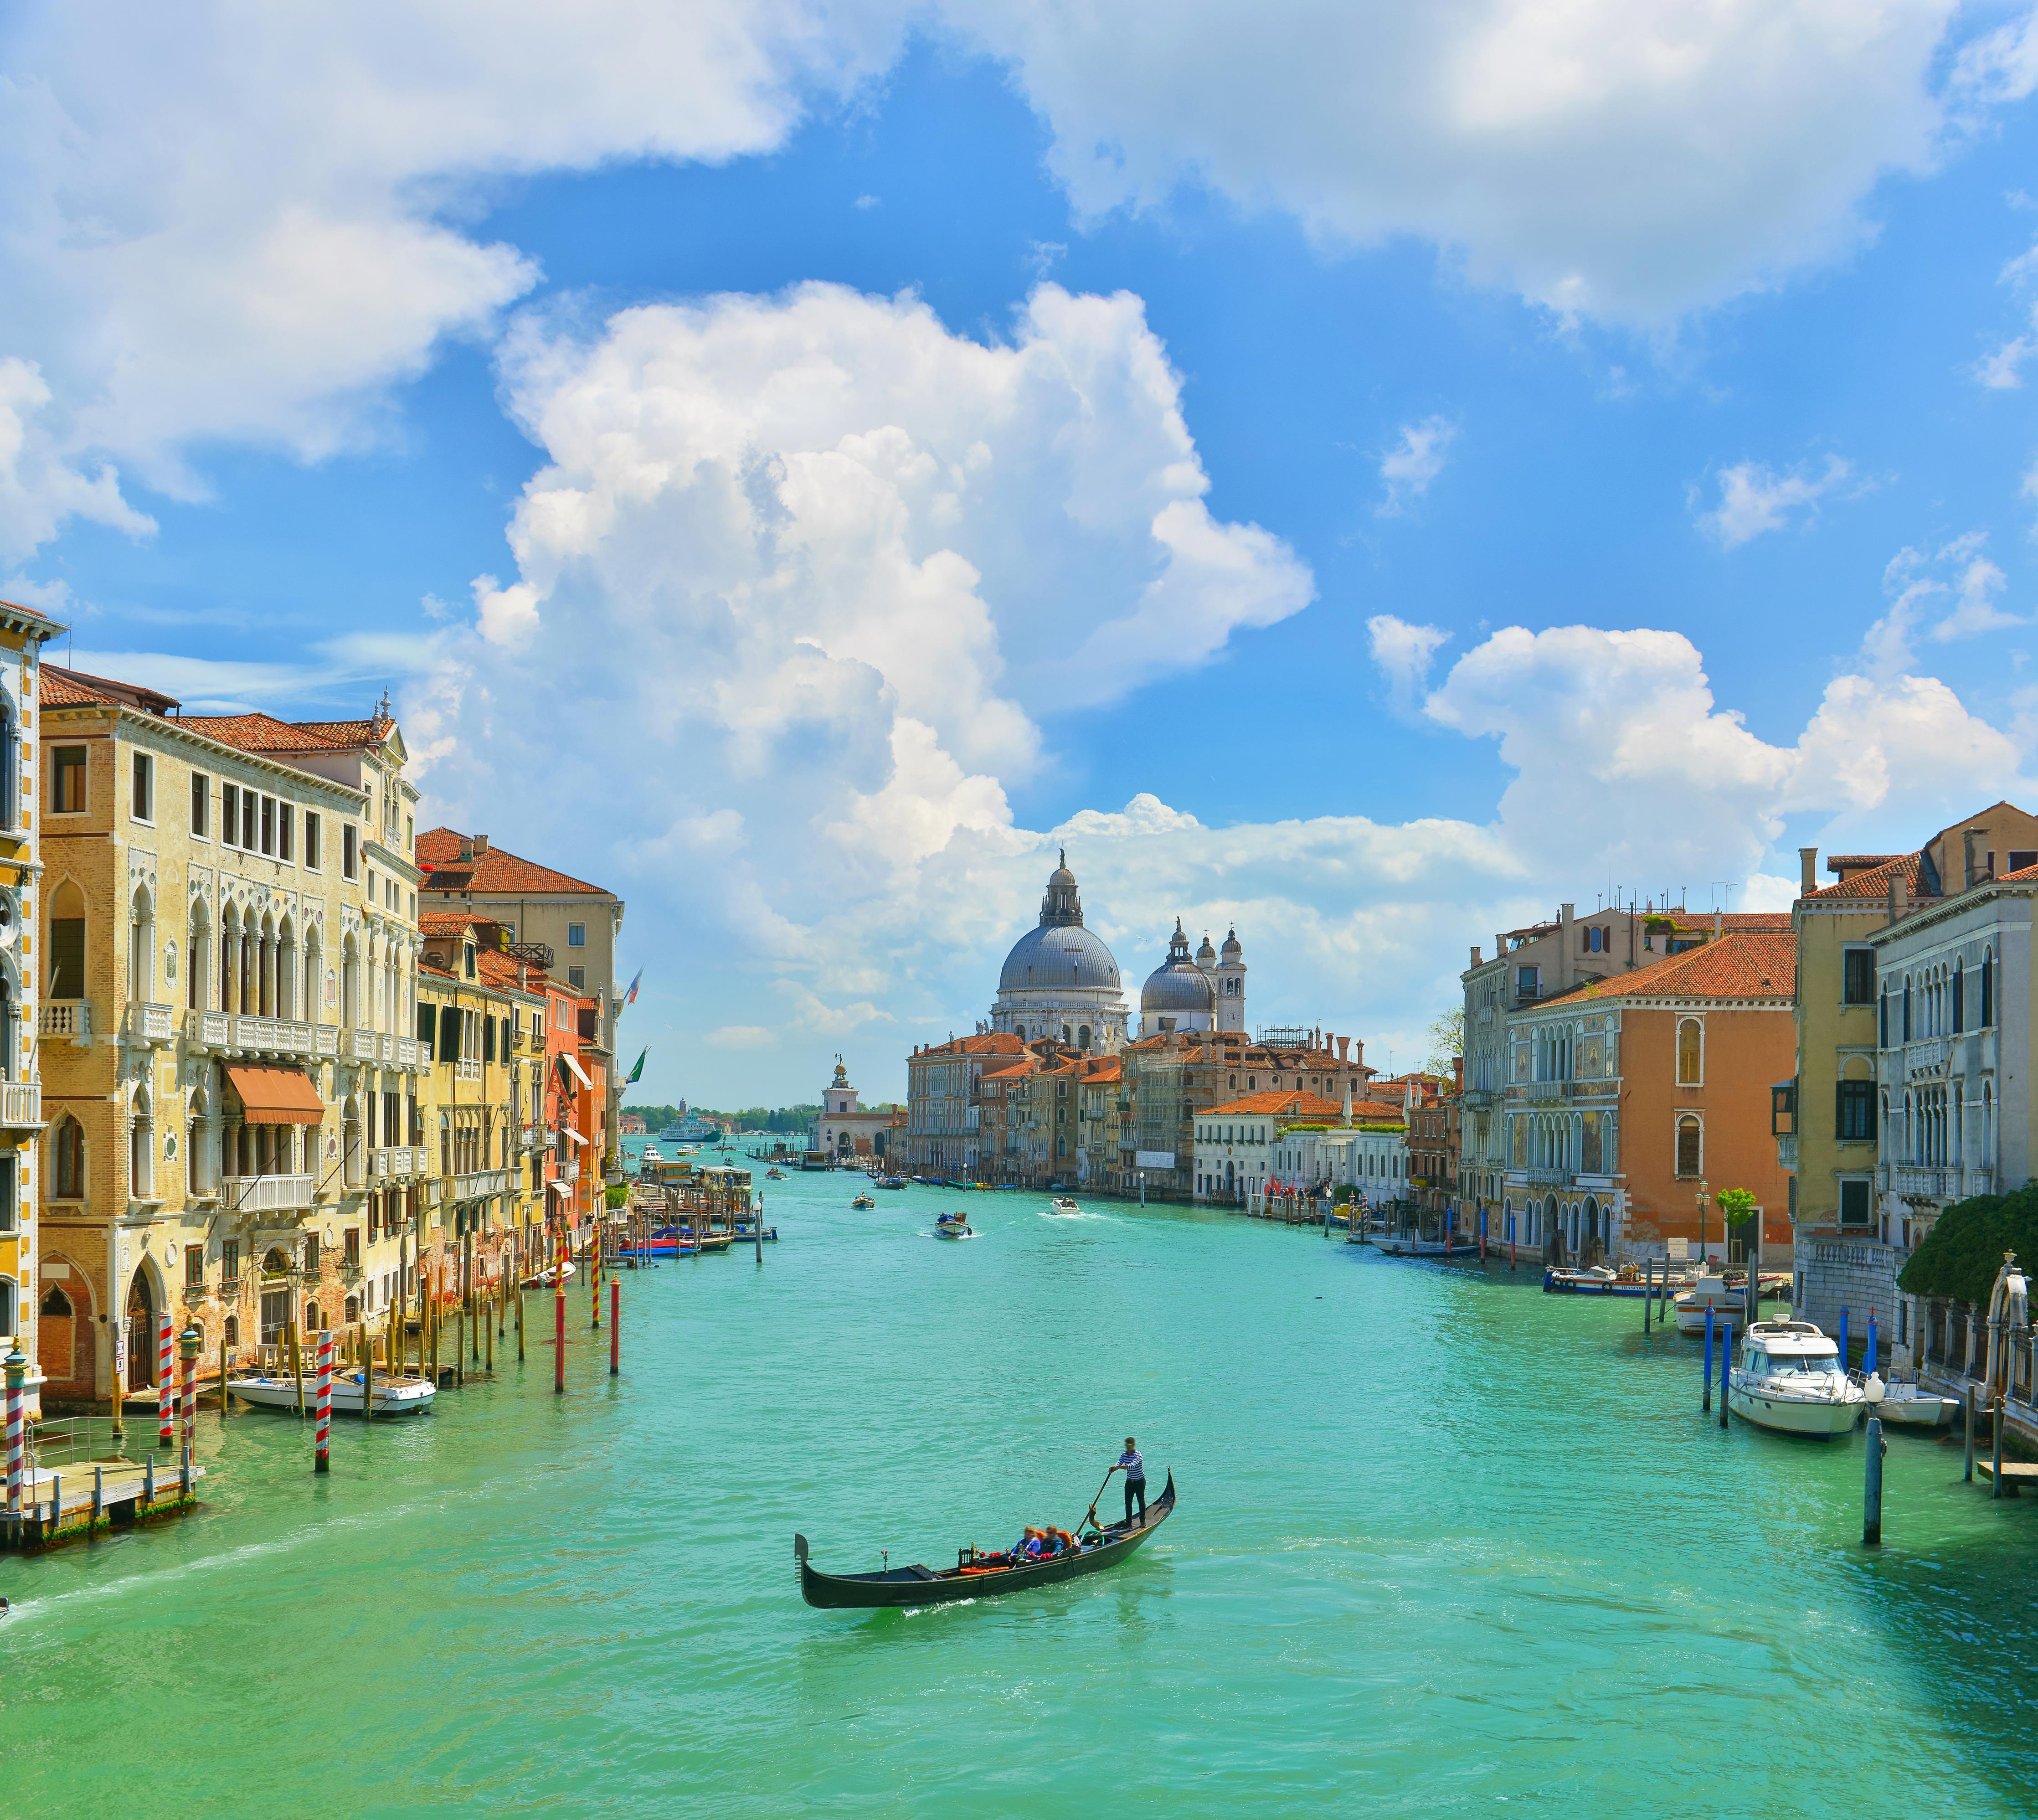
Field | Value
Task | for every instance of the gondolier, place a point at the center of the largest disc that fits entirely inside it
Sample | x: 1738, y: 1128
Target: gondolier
x: 1134, y: 1469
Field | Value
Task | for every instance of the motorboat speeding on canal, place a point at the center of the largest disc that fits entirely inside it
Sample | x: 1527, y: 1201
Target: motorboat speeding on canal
x: 952, y: 1225
x: 864, y: 1201
x: 1790, y: 1378
x: 981, y: 1576
x: 1062, y: 1204
x: 774, y: 1175
x: 552, y: 1274
x: 398, y: 1396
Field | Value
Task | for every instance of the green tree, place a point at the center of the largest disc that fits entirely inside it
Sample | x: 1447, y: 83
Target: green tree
x: 1446, y: 1040
x: 1735, y: 1204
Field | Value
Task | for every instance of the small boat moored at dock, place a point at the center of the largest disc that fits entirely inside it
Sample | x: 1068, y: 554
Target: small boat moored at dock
x: 398, y: 1396
x: 1712, y: 1291
x: 1789, y: 1378
x: 976, y: 1576
x: 551, y: 1274
x: 1911, y: 1406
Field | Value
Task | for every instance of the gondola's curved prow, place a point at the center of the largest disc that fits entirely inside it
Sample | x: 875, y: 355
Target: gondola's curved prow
x: 922, y: 1586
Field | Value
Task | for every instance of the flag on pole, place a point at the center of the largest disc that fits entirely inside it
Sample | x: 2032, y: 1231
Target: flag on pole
x: 629, y: 997
x: 636, y: 1074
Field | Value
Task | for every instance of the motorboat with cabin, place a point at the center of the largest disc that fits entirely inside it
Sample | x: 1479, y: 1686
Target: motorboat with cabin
x: 397, y: 1395
x: 953, y: 1225
x: 1062, y: 1203
x: 1727, y: 1301
x: 1790, y: 1378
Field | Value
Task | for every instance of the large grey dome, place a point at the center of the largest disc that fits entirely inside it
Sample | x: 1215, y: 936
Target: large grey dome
x: 1058, y: 954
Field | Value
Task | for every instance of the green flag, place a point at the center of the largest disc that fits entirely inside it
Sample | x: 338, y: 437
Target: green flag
x: 637, y: 1073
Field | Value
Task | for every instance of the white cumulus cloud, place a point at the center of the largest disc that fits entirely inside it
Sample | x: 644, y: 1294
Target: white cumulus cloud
x: 1416, y: 459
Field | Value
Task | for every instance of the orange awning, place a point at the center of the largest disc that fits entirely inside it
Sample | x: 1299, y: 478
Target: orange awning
x: 277, y: 1095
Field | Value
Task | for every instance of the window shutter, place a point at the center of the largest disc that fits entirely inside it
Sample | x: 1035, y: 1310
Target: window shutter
x: 448, y: 1034
x: 488, y: 1039
x: 1839, y: 1109
x: 428, y: 1024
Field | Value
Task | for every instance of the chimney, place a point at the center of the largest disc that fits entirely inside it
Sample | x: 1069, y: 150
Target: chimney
x: 1457, y: 1072
x: 1344, y: 1043
x: 1719, y: 925
x: 1966, y: 859
x: 466, y: 848
x: 1474, y: 954
x: 480, y: 845
x: 1499, y: 947
x: 1807, y: 870
x: 1899, y: 895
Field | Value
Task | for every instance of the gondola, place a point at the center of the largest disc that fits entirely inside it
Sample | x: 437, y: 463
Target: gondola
x: 922, y: 1586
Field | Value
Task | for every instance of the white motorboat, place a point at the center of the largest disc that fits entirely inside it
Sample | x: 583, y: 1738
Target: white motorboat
x: 1907, y: 1406
x: 551, y: 1275
x: 1726, y: 1300
x: 399, y: 1396
x: 1063, y: 1205
x: 1789, y: 1378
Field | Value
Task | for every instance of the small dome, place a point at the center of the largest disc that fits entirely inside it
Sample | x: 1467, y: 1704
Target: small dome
x: 1177, y: 985
x: 1231, y: 951
x: 1206, y: 955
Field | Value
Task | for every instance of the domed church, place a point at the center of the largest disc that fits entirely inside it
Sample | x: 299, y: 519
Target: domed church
x: 1060, y: 980
x: 1200, y: 992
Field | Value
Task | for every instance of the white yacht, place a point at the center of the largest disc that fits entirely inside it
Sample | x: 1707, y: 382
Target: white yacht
x: 1790, y: 1378
x: 399, y: 1396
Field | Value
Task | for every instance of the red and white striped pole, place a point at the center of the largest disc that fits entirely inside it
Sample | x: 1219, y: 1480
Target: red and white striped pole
x: 322, y: 1456
x: 166, y: 1395
x: 18, y: 1375
x: 614, y: 1325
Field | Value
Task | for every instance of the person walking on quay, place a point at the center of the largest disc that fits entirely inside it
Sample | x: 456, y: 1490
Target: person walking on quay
x: 1134, y: 1469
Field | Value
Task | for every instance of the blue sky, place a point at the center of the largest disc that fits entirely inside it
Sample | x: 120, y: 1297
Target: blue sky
x: 1371, y: 478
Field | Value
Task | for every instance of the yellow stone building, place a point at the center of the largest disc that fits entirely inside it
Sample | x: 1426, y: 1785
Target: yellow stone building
x: 228, y: 951
x: 23, y: 632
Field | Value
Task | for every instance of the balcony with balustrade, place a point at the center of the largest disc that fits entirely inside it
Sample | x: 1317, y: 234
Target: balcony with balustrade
x: 267, y: 1193
x: 483, y: 1183
x: 1937, y: 1181
x: 20, y: 1105
x: 154, y: 1025
x: 65, y: 1020
x: 1927, y: 1058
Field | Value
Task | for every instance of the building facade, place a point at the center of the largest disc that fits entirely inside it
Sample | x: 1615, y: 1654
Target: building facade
x: 227, y: 1024
x: 943, y: 1101
x: 1629, y: 1100
x: 26, y: 1285
x: 842, y: 1127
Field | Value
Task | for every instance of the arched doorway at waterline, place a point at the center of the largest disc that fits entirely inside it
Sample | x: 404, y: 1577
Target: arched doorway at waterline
x: 1553, y: 1224
x: 141, y: 1337
x: 1594, y: 1250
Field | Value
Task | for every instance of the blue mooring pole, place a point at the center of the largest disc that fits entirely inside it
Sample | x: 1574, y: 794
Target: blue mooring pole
x: 1726, y: 1350
x: 1705, y: 1395
x: 1843, y: 1339
x: 1868, y: 1364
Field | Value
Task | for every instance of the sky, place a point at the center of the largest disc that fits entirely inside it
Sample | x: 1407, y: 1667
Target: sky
x: 1364, y: 475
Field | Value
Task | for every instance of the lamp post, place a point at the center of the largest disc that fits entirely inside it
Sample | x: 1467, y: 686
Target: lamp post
x: 1703, y: 1199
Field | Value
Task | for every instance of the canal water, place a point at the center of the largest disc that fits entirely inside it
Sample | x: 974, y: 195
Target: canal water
x: 1443, y: 1543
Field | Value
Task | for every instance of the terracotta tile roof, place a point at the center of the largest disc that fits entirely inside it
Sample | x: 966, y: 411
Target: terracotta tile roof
x: 1298, y: 1105
x: 493, y: 873
x: 261, y: 733
x: 1101, y: 1073
x: 498, y: 969
x: 449, y: 923
x: 1875, y: 881
x: 437, y: 971
x: 1009, y: 1071
x: 2023, y: 875
x: 1758, y: 921
x: 996, y: 1043
x: 59, y: 687
x: 350, y: 733
x: 1742, y: 965
x: 1854, y: 862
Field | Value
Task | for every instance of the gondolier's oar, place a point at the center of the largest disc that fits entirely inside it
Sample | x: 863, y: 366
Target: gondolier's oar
x: 1090, y: 1514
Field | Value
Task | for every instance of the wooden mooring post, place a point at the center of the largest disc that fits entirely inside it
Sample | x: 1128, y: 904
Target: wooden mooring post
x: 1967, y: 1471
x: 1705, y: 1395
x: 616, y: 1323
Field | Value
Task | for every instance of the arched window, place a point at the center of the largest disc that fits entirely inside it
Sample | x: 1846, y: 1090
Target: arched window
x: 1907, y: 1008
x: 1690, y: 1052
x: 1959, y: 997
x: 314, y: 1322
x: 446, y: 1145
x: 353, y: 1309
x: 1690, y: 1149
x: 1987, y: 1124
x: 67, y: 1143
x: 232, y: 1332
x: 142, y: 1148
x: 66, y: 977
x: 1987, y: 988
x: 142, y: 948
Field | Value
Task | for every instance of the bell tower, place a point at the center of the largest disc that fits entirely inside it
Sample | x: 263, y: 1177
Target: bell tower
x: 1231, y: 985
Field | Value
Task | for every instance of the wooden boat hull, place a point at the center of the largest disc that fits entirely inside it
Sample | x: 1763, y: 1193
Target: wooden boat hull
x: 918, y: 1585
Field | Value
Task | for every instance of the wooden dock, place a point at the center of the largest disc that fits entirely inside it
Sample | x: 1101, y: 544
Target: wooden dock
x: 2016, y: 1474
x: 60, y: 1504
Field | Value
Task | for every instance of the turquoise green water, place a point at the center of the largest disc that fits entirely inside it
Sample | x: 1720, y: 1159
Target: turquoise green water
x: 1444, y: 1544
